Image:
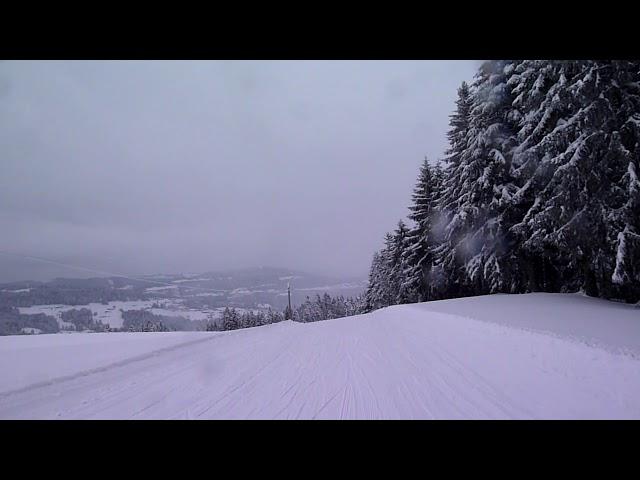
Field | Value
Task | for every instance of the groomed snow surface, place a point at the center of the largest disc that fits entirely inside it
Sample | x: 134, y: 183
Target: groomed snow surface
x: 504, y: 356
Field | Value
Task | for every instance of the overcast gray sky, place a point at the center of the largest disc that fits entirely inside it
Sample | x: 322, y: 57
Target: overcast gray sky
x: 156, y: 166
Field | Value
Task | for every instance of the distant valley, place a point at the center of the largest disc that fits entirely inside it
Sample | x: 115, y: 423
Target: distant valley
x: 184, y: 301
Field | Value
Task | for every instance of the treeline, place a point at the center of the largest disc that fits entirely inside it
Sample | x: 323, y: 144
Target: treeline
x: 538, y: 190
x: 233, y: 319
x: 322, y: 307
x: 147, y: 321
x: 72, y: 295
x: 83, y: 319
x: 12, y: 322
x: 326, y: 307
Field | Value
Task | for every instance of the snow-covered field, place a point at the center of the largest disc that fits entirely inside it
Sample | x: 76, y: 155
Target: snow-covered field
x: 111, y: 313
x: 525, y: 356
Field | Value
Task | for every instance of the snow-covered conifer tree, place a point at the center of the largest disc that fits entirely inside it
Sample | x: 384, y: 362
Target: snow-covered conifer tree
x: 423, y: 237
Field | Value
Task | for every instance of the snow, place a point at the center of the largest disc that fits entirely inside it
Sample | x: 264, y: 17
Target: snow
x: 107, y: 313
x: 159, y: 289
x: 501, y: 356
x: 634, y: 183
x: 332, y: 287
x: 37, y: 359
x: 621, y: 253
x: 111, y: 313
x: 607, y: 325
x: 30, y: 330
x: 240, y: 291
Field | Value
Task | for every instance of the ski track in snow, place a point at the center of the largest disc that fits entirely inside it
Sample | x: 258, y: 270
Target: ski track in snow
x: 403, y: 362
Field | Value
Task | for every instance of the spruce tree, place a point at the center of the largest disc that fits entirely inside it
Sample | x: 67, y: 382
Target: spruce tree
x: 396, y: 259
x: 372, y: 293
x: 582, y: 139
x: 423, y: 237
x: 480, y: 187
x: 447, y: 271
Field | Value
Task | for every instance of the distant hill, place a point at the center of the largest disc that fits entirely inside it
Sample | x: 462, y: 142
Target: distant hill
x: 249, y: 287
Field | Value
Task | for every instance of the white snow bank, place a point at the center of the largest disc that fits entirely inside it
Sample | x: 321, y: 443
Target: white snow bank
x: 611, y: 325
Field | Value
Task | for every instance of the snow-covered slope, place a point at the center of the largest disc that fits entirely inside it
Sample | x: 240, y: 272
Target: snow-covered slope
x: 435, y: 360
x: 610, y: 325
x: 38, y: 359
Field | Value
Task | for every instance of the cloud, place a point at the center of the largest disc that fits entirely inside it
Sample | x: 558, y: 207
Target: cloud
x: 186, y: 166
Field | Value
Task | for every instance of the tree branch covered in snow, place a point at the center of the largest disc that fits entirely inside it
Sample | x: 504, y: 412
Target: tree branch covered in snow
x: 539, y: 191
